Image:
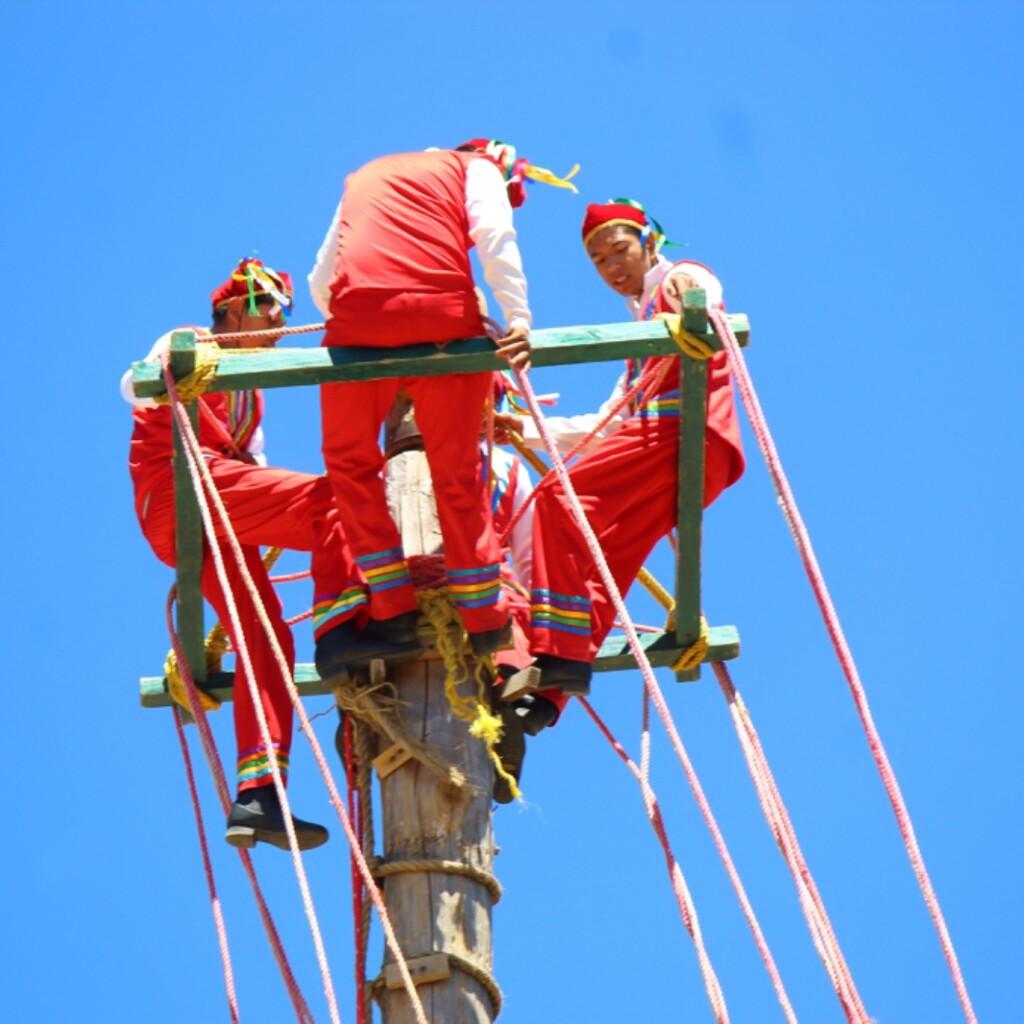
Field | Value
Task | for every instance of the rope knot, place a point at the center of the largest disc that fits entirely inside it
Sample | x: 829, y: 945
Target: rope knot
x: 696, y: 652
x: 196, y: 383
x: 689, y: 344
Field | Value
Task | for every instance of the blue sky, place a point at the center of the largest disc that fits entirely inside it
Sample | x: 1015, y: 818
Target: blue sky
x: 852, y: 175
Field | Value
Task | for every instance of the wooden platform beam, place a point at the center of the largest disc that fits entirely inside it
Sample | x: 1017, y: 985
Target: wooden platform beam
x: 661, y: 648
x: 555, y: 346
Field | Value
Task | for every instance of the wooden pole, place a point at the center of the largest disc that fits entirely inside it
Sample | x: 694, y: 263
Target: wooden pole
x: 442, y: 919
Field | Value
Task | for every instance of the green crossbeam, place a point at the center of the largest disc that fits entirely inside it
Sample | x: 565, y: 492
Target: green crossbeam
x: 723, y: 645
x: 557, y: 346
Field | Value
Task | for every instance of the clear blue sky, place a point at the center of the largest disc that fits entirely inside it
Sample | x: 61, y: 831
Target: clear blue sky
x: 854, y: 178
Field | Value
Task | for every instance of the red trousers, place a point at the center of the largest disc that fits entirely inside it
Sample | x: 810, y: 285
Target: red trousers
x: 627, y: 486
x: 267, y: 507
x: 519, y: 656
x: 448, y: 412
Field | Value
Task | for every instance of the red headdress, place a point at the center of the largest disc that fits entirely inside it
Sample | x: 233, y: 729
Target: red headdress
x: 516, y: 170
x: 622, y: 211
x: 251, y: 277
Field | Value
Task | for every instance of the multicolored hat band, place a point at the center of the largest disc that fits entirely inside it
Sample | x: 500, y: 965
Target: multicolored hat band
x: 253, y: 278
x: 627, y: 212
x: 515, y: 170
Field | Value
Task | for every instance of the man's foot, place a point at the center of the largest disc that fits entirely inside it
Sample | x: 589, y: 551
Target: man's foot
x: 256, y: 817
x: 571, y: 677
x: 524, y: 717
x: 345, y: 648
x: 490, y: 640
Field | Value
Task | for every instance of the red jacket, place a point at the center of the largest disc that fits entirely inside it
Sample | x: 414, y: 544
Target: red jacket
x: 402, y: 270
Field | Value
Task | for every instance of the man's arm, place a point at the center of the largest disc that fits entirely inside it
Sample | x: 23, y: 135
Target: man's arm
x: 568, y: 431
x: 322, y: 275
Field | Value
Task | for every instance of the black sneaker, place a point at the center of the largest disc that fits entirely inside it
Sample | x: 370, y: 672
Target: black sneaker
x: 345, y: 648
x: 524, y: 717
x: 490, y: 640
x: 535, y: 712
x: 571, y: 677
x: 256, y: 817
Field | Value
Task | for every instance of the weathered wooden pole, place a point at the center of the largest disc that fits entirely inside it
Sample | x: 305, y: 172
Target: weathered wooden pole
x: 438, y: 843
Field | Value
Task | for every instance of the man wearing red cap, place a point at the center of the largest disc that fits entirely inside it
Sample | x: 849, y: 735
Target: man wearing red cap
x: 394, y: 269
x: 626, y: 480
x: 266, y: 507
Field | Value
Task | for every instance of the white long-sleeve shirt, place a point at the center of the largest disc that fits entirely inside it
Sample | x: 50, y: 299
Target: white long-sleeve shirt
x: 491, y: 229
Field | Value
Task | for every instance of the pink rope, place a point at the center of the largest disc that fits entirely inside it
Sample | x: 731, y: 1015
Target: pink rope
x: 776, y: 814
x: 301, y: 617
x: 193, y: 456
x: 211, y: 884
x: 803, y: 542
x: 216, y: 766
x: 684, y: 900
x: 202, y: 478
x: 291, y: 577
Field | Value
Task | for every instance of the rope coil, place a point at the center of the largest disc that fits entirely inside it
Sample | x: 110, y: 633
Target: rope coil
x: 195, y: 384
x: 383, y: 869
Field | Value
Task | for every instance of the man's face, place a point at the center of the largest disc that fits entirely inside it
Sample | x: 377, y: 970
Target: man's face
x: 621, y: 258
x: 237, y: 318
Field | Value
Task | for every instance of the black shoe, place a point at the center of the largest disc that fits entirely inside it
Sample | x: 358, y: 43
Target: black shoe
x: 256, y: 817
x: 535, y: 712
x: 571, y: 677
x: 345, y: 648
x: 491, y: 640
x: 524, y: 717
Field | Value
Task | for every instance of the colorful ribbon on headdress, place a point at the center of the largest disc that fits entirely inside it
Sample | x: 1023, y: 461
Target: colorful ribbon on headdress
x: 653, y: 229
x: 252, y: 272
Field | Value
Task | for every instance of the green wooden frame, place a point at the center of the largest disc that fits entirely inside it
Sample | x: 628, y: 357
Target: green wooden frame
x: 288, y: 367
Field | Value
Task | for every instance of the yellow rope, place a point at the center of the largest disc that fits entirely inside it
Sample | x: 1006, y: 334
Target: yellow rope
x: 696, y: 652
x: 436, y: 608
x: 689, y: 344
x: 216, y: 646
x: 195, y: 384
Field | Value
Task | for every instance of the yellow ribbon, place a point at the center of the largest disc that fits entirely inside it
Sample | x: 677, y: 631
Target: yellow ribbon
x: 546, y: 177
x: 689, y: 344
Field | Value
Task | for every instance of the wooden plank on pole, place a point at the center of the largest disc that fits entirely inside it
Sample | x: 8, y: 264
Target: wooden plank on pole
x: 556, y: 346
x: 188, y: 524
x: 661, y: 648
x: 693, y: 399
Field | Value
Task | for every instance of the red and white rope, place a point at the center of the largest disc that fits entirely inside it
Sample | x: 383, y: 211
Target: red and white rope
x: 676, y: 877
x: 211, y: 883
x: 213, y: 760
x: 835, y: 630
x: 203, y: 479
x: 775, y: 812
x: 711, y: 982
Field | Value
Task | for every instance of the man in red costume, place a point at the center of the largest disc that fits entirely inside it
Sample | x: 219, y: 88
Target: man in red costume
x: 266, y: 506
x: 394, y: 269
x: 626, y: 479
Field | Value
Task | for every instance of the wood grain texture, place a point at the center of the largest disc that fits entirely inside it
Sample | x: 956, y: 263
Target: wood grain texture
x: 425, y: 819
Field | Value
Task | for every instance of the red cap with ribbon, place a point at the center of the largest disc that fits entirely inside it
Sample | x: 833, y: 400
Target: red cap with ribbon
x: 253, y: 278
x: 516, y: 170
x: 627, y: 212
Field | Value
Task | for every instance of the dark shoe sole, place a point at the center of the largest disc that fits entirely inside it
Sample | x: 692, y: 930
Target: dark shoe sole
x: 246, y: 837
